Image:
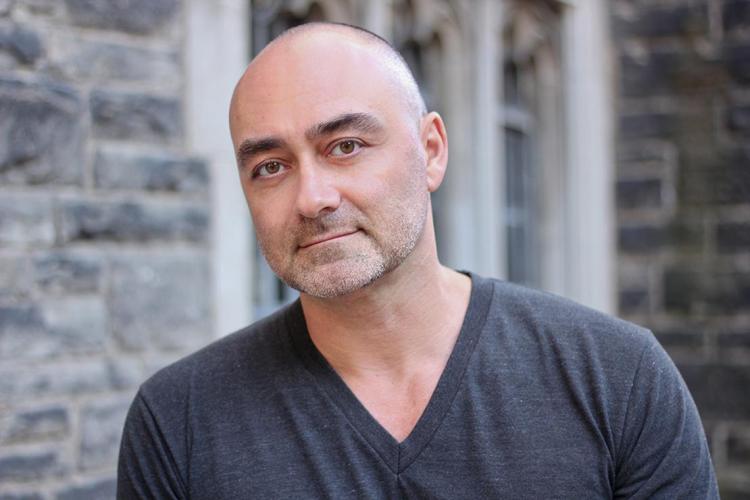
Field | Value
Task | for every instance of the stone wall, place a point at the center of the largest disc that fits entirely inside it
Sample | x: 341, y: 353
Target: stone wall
x: 104, y: 232
x: 683, y: 195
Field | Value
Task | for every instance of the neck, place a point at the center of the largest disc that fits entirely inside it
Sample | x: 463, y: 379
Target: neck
x: 409, y: 318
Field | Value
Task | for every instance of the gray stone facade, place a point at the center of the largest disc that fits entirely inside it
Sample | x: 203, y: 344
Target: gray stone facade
x: 683, y: 195
x: 105, y: 220
x: 104, y: 232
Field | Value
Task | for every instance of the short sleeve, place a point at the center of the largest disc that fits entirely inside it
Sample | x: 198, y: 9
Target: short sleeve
x: 147, y: 467
x: 663, y: 452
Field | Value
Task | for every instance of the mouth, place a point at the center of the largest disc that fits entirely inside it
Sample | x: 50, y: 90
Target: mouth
x: 325, y: 238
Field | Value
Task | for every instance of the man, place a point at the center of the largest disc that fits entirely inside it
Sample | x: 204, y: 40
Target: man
x: 393, y: 376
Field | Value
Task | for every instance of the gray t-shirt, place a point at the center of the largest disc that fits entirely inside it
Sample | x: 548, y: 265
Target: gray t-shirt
x: 541, y: 398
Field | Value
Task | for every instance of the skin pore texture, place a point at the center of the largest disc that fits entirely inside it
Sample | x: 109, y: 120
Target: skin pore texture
x: 337, y: 160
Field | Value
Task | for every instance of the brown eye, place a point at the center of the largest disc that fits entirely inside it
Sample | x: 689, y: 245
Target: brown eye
x: 345, y: 148
x: 268, y: 169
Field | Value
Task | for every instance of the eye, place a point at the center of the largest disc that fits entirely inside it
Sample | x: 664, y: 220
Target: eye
x: 268, y: 169
x: 346, y: 147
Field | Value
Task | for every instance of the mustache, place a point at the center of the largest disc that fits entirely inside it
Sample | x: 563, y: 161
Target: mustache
x: 337, y: 221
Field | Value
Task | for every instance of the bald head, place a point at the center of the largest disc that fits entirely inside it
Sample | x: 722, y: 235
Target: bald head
x: 296, y: 40
x: 391, y: 57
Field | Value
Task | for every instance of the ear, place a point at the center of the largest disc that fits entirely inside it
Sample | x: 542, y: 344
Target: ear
x: 435, y: 144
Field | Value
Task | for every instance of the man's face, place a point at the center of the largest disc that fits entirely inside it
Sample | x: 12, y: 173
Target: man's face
x: 331, y: 165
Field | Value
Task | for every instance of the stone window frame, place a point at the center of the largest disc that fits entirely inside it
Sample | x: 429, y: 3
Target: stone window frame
x: 581, y: 228
x: 590, y: 218
x: 531, y: 122
x: 216, y: 54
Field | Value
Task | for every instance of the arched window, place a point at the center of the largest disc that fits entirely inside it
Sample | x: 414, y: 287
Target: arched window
x: 532, y: 125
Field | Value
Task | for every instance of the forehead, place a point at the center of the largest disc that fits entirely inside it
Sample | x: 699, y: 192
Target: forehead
x: 296, y: 83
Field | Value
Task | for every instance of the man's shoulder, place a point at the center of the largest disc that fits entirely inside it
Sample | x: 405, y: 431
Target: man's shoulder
x: 529, y: 315
x: 257, y: 348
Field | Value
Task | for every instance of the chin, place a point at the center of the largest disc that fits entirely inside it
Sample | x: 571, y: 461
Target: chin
x: 336, y: 279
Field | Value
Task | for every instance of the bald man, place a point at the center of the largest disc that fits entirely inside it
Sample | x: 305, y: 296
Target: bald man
x: 393, y: 376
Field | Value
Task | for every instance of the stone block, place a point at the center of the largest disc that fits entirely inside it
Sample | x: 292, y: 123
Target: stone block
x: 68, y: 378
x: 658, y: 21
x: 648, y: 152
x: 41, y: 136
x: 633, y: 301
x: 32, y: 465
x: 640, y: 193
x: 135, y: 116
x: 735, y: 15
x: 161, y: 302
x: 17, y: 495
x: 732, y: 489
x: 21, y: 42
x: 682, y: 339
x: 42, y: 7
x: 101, y: 428
x: 681, y: 289
x: 15, y: 280
x: 738, y: 120
x: 26, y: 220
x: 105, y: 62
x: 61, y: 326
x: 686, y: 235
x: 738, y: 447
x: 117, y: 170
x: 720, y: 391
x: 44, y: 422
x: 67, y: 272
x: 645, y: 76
x: 737, y: 62
x: 96, y: 490
x: 733, y: 237
x: 647, y: 125
x: 78, y: 324
x: 134, y: 222
x: 641, y: 238
x: 133, y: 16
x: 720, y: 180
x: 670, y: 72
x: 6, y: 6
x: 705, y: 291
x: 733, y: 340
x: 23, y: 332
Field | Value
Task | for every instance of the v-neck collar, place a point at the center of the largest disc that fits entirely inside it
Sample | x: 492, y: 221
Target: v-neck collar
x: 398, y: 456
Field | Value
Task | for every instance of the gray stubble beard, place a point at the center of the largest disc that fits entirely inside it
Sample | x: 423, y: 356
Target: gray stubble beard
x: 364, y: 268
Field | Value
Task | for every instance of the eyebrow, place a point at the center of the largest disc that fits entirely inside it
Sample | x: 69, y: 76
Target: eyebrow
x: 251, y: 147
x: 362, y: 122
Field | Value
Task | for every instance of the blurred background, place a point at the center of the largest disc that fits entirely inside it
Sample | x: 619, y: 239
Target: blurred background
x: 600, y: 150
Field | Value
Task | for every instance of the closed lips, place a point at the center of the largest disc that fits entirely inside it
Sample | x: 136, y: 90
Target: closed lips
x: 328, y: 237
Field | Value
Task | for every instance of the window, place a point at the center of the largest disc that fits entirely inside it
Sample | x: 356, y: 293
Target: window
x: 532, y: 127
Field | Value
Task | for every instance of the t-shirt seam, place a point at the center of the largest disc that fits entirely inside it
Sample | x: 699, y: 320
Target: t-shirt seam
x: 620, y: 459
x: 167, y: 448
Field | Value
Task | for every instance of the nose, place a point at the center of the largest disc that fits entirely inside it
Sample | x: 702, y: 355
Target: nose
x: 317, y: 193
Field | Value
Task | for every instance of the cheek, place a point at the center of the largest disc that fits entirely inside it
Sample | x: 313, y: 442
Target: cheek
x: 267, y: 223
